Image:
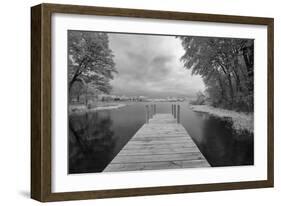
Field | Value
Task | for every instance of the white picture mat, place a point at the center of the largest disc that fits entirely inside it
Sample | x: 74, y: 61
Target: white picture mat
x: 62, y: 182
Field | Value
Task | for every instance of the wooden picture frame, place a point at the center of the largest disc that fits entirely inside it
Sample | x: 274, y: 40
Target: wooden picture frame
x: 41, y: 117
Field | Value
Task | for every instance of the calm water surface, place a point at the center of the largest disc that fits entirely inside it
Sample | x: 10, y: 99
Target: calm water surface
x: 95, y: 138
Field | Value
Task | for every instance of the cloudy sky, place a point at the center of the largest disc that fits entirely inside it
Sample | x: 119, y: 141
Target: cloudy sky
x: 150, y: 66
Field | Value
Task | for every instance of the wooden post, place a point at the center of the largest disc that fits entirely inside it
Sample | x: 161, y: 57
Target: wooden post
x: 154, y: 108
x: 147, y: 114
x: 175, y: 111
x: 172, y: 109
x: 178, y: 114
x: 151, y: 111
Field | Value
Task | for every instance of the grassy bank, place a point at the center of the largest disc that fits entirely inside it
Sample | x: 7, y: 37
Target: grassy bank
x: 82, y: 108
x: 241, y: 121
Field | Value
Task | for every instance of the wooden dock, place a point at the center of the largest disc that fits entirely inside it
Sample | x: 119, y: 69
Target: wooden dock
x: 161, y: 143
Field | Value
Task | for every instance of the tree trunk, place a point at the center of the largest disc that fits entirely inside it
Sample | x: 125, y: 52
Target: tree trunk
x: 238, y: 82
x: 222, y: 89
x: 230, y: 88
x: 228, y: 76
x: 249, y: 62
x: 76, y: 75
x: 72, y: 82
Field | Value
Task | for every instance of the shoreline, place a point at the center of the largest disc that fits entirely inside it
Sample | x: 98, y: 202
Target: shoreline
x: 81, y: 109
x: 240, y: 121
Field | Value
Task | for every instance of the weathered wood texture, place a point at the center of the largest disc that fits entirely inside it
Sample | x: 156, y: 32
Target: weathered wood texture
x: 160, y: 144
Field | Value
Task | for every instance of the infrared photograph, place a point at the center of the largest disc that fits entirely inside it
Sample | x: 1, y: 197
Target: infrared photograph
x: 153, y: 102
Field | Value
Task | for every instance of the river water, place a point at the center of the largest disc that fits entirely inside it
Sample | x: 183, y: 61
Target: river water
x: 96, y: 138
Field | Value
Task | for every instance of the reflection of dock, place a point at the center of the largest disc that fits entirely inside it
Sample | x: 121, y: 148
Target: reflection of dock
x: 161, y: 143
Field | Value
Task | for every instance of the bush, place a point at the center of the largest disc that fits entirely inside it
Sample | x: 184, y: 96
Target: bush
x: 200, y: 99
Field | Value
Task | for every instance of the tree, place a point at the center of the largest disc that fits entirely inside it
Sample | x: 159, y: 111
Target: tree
x: 78, y: 89
x: 90, y: 60
x: 200, y: 99
x: 226, y: 66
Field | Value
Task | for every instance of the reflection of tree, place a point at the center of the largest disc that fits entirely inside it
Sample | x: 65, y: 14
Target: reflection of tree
x: 223, y: 146
x: 90, y: 142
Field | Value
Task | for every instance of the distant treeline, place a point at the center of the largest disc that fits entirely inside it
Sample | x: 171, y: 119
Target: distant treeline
x: 227, y: 68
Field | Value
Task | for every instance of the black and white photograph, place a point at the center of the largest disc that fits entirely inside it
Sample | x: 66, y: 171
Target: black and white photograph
x: 139, y: 102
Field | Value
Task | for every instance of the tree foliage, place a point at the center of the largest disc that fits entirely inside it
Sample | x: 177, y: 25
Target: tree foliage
x: 226, y: 66
x: 90, y: 61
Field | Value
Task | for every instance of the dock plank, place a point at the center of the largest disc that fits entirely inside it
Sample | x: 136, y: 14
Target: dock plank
x: 158, y: 165
x: 158, y: 157
x: 160, y: 144
x: 158, y: 151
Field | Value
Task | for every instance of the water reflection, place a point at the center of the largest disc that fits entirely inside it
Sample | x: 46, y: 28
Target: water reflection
x: 222, y: 145
x: 90, y: 142
x: 95, y: 138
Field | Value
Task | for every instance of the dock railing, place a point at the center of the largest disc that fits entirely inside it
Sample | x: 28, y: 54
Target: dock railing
x: 151, y: 111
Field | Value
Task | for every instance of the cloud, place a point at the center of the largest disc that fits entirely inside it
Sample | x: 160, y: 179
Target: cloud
x: 150, y: 65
